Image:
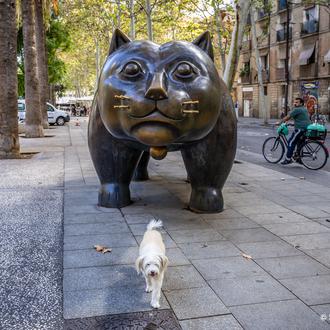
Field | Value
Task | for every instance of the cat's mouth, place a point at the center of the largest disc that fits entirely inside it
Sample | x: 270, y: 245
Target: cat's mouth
x: 155, y: 115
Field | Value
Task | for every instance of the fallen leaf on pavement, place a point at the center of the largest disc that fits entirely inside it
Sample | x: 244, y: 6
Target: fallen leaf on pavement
x: 246, y: 256
x: 103, y: 249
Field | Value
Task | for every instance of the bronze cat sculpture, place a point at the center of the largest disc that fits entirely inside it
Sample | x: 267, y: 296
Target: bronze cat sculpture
x: 158, y: 98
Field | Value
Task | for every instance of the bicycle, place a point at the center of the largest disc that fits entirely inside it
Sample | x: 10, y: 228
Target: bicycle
x: 310, y: 150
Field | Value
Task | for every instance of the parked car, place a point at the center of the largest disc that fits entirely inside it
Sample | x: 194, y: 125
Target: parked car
x: 55, y: 116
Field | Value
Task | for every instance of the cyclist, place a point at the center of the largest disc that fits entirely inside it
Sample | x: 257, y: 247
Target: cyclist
x: 300, y: 116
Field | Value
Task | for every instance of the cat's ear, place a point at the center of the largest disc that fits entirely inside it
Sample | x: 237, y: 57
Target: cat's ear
x: 118, y: 39
x: 204, y: 42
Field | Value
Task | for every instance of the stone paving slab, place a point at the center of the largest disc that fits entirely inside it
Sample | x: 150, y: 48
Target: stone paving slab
x: 195, y: 302
x: 81, y: 242
x: 278, y: 218
x: 229, y: 267
x: 94, y: 218
x: 225, y: 322
x: 209, y: 250
x: 195, y: 235
x: 310, y: 241
x: 114, y: 300
x: 280, y: 315
x: 182, y: 277
x: 91, y: 278
x: 321, y: 255
x: 91, y: 258
x: 96, y: 228
x: 268, y: 249
x: 312, y: 290
x: 297, y: 228
x: 249, y: 290
x: 233, y: 223
x: 249, y: 235
x: 322, y: 310
x: 295, y: 266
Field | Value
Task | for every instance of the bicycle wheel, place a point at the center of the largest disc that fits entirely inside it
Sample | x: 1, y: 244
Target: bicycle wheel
x: 314, y: 155
x: 273, y: 149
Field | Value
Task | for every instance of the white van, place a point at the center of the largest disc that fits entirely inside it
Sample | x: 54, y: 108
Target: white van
x: 55, y: 116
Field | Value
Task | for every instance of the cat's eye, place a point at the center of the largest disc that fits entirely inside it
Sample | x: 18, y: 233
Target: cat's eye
x: 184, y: 71
x: 131, y: 69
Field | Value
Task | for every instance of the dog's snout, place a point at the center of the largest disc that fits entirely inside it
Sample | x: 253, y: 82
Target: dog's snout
x: 152, y: 273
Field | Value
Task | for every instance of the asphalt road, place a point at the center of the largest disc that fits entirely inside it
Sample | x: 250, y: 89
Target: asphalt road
x: 250, y: 140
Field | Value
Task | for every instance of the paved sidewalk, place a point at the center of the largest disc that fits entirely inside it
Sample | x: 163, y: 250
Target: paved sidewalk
x: 281, y: 222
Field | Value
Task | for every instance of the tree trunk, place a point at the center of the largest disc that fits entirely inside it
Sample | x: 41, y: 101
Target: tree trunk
x: 132, y: 19
x: 149, y: 22
x: 118, y: 14
x: 41, y: 60
x: 242, y: 12
x: 262, y: 104
x: 9, y: 142
x: 33, y: 119
x: 219, y: 29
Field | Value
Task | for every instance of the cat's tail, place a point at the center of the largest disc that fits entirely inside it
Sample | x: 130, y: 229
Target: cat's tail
x: 154, y: 224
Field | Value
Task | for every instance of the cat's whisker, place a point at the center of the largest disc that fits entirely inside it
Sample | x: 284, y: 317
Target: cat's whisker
x: 121, y: 106
x: 122, y: 97
x: 190, y: 111
x: 190, y: 102
x: 190, y: 106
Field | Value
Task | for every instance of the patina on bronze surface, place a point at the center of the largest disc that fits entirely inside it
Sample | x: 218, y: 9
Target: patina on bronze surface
x: 153, y: 99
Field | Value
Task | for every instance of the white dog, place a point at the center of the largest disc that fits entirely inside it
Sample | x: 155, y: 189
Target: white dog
x: 152, y: 261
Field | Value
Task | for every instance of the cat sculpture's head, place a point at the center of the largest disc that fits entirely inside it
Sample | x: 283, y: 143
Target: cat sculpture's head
x: 159, y: 95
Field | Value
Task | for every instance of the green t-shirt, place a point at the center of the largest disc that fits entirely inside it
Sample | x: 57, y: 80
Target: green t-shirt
x: 301, y: 117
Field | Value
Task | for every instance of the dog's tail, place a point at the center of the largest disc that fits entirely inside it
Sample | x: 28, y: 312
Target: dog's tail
x: 154, y: 224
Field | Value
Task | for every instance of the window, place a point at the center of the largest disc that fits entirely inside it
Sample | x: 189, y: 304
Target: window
x: 264, y: 62
x: 49, y: 108
x: 310, y: 21
x: 21, y: 107
x: 265, y: 90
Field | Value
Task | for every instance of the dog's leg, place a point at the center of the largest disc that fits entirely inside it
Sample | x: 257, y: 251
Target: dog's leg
x: 157, y: 285
x: 148, y: 284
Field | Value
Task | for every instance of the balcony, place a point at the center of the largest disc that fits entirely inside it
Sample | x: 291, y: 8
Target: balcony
x: 246, y: 45
x: 246, y: 78
x: 282, y: 4
x: 308, y: 71
x: 281, y: 34
x: 280, y: 73
x: 309, y: 27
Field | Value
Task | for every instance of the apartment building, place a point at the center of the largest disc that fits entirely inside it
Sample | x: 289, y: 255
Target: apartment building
x: 308, y: 58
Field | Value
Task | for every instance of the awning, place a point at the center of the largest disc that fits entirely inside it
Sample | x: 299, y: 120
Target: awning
x: 306, y: 54
x: 327, y: 57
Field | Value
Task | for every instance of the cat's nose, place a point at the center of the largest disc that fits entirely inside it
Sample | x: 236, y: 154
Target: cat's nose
x: 157, y: 88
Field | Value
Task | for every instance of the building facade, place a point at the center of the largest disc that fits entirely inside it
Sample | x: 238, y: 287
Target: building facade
x: 307, y: 51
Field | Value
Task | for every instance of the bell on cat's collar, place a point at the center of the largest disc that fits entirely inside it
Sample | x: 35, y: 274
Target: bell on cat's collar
x: 158, y: 153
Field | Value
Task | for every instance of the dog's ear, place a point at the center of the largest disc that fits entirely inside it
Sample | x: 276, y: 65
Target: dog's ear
x: 139, y: 264
x: 164, y: 262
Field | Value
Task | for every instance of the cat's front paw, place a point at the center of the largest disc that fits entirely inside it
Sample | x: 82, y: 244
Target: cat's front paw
x: 206, y: 200
x: 114, y: 195
x: 155, y: 304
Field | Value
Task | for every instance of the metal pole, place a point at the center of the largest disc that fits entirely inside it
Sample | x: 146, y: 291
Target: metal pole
x: 287, y: 75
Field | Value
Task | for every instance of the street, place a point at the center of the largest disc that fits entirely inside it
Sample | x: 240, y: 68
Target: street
x: 251, y: 135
